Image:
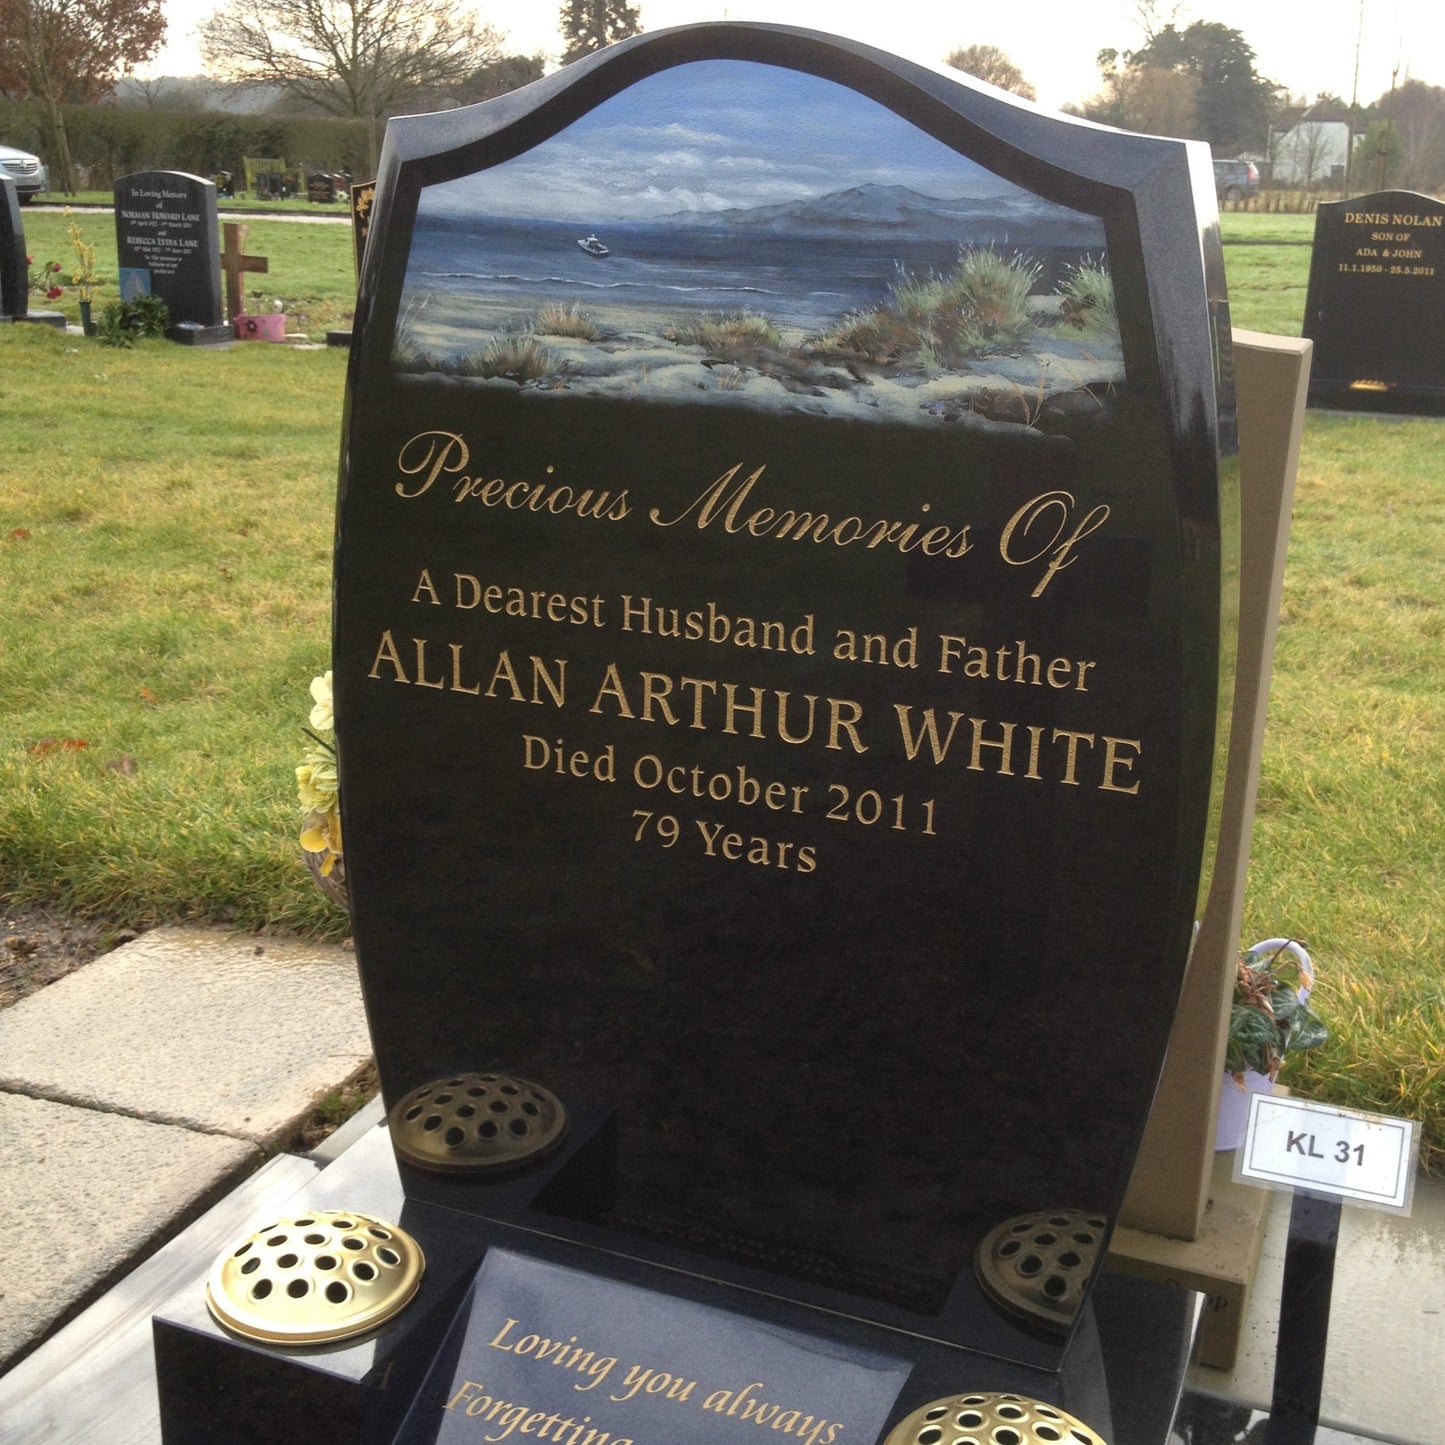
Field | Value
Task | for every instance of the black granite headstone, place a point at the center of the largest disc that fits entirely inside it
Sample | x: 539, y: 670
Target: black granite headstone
x: 777, y: 646
x: 779, y: 612
x: 14, y: 265
x: 1375, y: 309
x: 168, y: 246
x: 14, y: 273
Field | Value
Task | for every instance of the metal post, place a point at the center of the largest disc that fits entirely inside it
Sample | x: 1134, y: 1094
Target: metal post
x: 1304, y: 1320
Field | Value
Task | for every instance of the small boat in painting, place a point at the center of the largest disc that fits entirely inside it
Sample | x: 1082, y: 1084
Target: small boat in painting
x: 594, y: 247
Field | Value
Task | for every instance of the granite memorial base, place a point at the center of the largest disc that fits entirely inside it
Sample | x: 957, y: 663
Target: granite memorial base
x: 621, y: 1350
x: 783, y: 649
x: 193, y: 333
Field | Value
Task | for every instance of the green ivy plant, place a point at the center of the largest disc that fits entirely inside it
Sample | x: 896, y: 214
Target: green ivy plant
x: 1270, y: 1017
x: 123, y: 323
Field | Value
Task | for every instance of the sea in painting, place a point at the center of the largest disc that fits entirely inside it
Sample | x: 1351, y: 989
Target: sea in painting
x: 730, y: 233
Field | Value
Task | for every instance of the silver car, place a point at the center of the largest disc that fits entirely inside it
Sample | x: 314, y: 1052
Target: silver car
x: 30, y: 173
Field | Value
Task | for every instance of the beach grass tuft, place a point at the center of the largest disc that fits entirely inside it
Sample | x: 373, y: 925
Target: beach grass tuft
x: 937, y: 322
x: 726, y: 334
x: 1086, y: 299
x: 513, y: 358
x: 572, y: 322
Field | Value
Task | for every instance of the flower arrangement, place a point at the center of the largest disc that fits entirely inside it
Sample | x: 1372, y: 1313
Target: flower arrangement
x: 316, y: 790
x: 82, y: 268
x: 1271, y: 1016
x: 44, y: 279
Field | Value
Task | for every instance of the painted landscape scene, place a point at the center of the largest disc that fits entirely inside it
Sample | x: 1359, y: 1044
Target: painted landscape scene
x: 730, y: 234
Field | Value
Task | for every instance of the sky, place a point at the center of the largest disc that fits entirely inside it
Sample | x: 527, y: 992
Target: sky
x: 1307, y: 45
x: 680, y: 141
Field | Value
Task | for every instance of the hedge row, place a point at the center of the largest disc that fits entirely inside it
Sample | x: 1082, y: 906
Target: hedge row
x: 110, y: 143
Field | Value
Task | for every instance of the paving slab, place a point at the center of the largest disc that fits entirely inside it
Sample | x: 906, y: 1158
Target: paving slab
x: 208, y: 1030
x: 84, y: 1194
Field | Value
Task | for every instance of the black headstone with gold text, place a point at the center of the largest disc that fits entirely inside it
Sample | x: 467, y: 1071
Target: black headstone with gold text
x: 1375, y: 308
x: 778, y: 614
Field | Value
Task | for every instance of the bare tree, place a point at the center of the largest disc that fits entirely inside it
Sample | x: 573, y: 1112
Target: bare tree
x: 1306, y: 151
x: 360, y: 59
x: 989, y: 63
x: 1150, y: 99
x: 1418, y: 111
x: 70, y: 52
x: 1153, y: 16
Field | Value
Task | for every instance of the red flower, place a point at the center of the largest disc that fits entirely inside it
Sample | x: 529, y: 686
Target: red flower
x: 53, y: 266
x: 55, y: 293
x: 30, y: 260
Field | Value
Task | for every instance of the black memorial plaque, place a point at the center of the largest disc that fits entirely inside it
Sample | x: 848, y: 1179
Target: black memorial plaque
x: 167, y: 245
x: 777, y: 653
x: 1375, y: 308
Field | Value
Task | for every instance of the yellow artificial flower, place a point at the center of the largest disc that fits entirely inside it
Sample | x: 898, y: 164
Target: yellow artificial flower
x: 322, y: 718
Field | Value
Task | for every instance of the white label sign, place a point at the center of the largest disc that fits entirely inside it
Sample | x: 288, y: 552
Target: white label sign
x: 1366, y: 1158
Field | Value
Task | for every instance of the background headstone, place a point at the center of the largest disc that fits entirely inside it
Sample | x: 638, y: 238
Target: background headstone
x: 167, y: 244
x: 14, y: 269
x: 14, y: 273
x: 778, y: 650
x: 1375, y: 308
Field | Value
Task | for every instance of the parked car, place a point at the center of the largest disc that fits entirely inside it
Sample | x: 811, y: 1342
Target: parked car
x: 30, y: 173
x: 1235, y: 180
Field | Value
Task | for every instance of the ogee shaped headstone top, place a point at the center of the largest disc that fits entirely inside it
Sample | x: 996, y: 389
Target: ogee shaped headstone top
x: 777, y: 651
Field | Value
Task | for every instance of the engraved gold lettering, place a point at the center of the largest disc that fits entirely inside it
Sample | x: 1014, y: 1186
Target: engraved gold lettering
x: 422, y: 680
x: 928, y: 731
x: 1003, y: 744
x: 428, y: 454
x: 457, y: 684
x: 424, y: 584
x: 788, y: 525
x: 1073, y: 740
x: 1013, y: 662
x: 1056, y: 506
x: 387, y: 652
x: 1114, y: 761
x: 506, y: 674
x: 745, y: 711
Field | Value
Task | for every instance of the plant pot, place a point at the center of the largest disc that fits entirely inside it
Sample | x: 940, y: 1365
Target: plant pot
x: 1234, y: 1100
x: 1234, y: 1108
x: 86, y: 324
x: 270, y: 326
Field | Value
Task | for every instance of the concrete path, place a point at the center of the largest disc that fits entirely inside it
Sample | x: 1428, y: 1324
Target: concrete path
x: 137, y: 1090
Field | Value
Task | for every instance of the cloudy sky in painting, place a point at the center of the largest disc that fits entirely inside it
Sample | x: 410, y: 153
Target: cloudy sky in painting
x: 686, y: 140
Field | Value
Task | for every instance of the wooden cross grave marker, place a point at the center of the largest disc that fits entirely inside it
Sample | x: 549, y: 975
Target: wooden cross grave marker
x: 235, y: 265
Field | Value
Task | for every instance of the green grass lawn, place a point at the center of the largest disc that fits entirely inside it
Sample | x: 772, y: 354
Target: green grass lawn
x: 165, y: 555
x: 165, y: 537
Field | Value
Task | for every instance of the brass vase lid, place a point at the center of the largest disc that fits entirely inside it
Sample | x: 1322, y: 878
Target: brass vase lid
x: 991, y: 1418
x: 315, y: 1279
x: 1036, y: 1266
x: 477, y: 1123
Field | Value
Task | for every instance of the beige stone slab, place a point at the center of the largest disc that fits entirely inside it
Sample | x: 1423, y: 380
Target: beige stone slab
x: 225, y: 1034
x: 1220, y: 1262
x: 84, y: 1194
